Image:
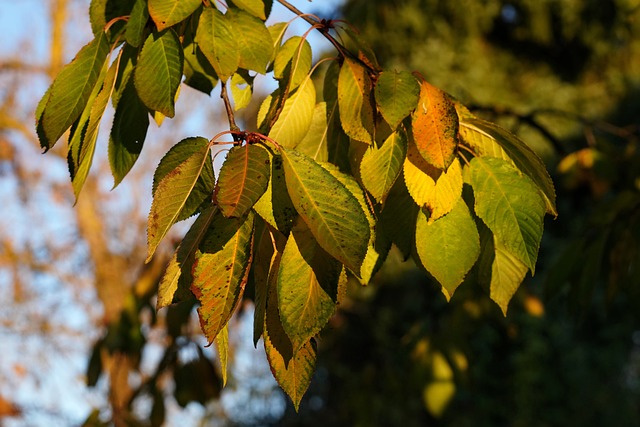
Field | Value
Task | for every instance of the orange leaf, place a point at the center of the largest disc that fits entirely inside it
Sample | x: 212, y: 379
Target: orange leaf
x: 435, y: 127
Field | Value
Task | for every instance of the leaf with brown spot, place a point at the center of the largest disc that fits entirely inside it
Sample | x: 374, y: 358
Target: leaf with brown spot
x: 435, y: 127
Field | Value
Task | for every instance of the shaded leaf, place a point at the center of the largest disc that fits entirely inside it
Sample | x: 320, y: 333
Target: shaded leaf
x: 332, y: 213
x: 70, y: 91
x: 307, y: 286
x: 134, y: 31
x: 243, y: 179
x: 397, y: 95
x: 254, y: 40
x: 509, y: 204
x: 435, y: 127
x: 356, y: 111
x: 198, y: 72
x: 220, y: 271
x: 166, y: 13
x: 449, y: 246
x: 397, y: 221
x: 490, y: 140
x: 275, y: 205
x: 295, y: 118
x: 216, y: 38
x: 159, y: 71
x: 171, y: 195
x: 381, y: 166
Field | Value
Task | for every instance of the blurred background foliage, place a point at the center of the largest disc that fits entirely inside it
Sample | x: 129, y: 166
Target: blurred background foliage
x: 562, y: 74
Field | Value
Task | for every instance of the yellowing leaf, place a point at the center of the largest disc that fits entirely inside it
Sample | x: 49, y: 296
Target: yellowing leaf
x: 293, y: 61
x: 220, y: 270
x: 254, y: 40
x: 435, y: 127
x: 222, y: 348
x: 243, y: 179
x: 241, y: 90
x: 397, y: 95
x: 510, y: 204
x: 307, y: 286
x: 296, y: 115
x: 166, y: 13
x: 215, y: 37
x: 448, y: 247
x: 507, y: 273
x: 381, y: 166
x: 254, y: 7
x: 159, y: 71
x: 332, y: 213
x: 356, y: 111
x: 429, y: 187
x: 490, y: 140
x: 275, y: 205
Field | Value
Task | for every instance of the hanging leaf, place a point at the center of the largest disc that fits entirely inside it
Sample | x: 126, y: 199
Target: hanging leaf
x: 490, y: 140
x: 198, y: 71
x: 102, y: 12
x: 275, y: 205
x: 176, y: 281
x: 397, y: 95
x: 397, y: 221
x: 307, y: 286
x: 216, y: 36
x: 174, y: 190
x: 134, y: 32
x: 241, y: 90
x: 222, y: 348
x: 128, y: 132
x: 509, y: 204
x: 448, y: 247
x: 70, y: 91
x: 332, y: 213
x: 381, y: 166
x: 293, y: 61
x: 220, y: 271
x: 166, y: 13
x: 243, y: 179
x: 429, y: 187
x: 435, y: 127
x: 354, y: 92
x: 159, y: 71
x: 295, y: 118
x: 254, y: 40
x: 257, y: 8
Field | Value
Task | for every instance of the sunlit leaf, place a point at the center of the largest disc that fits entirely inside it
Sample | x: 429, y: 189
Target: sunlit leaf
x: 220, y: 270
x: 307, y: 286
x: 381, y: 166
x: 254, y: 40
x: 166, y: 13
x: 356, y: 111
x: 241, y: 90
x: 222, y: 348
x: 490, y: 140
x: 159, y: 71
x: 296, y: 115
x: 435, y: 127
x: 293, y: 61
x: 172, y: 193
x: 397, y: 95
x: 257, y: 8
x: 216, y: 38
x: 243, y: 179
x: 510, y: 204
x: 449, y: 246
x: 70, y: 91
x: 332, y: 213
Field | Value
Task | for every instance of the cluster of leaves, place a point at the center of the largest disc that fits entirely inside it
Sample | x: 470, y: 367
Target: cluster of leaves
x: 324, y: 188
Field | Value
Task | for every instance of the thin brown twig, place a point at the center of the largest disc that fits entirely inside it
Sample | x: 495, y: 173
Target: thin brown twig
x: 227, y: 105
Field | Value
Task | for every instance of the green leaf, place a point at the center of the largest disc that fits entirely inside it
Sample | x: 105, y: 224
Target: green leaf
x: 134, y: 31
x: 381, y: 166
x: 397, y: 95
x: 293, y: 61
x: 198, y: 72
x: 166, y: 13
x: 254, y: 40
x: 102, y: 12
x: 510, y: 204
x: 295, y: 118
x: 241, y: 90
x: 176, y: 281
x: 356, y: 111
x: 243, y: 179
x: 397, y: 221
x: 307, y: 286
x: 435, y: 127
x: 159, y: 71
x: 70, y: 91
x: 203, y: 191
x: 256, y: 8
x: 429, y: 187
x: 330, y: 210
x: 220, y: 271
x: 448, y: 247
x: 217, y: 39
x: 222, y: 348
x: 128, y: 132
x: 490, y: 140
x: 275, y: 205
x: 172, y: 193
